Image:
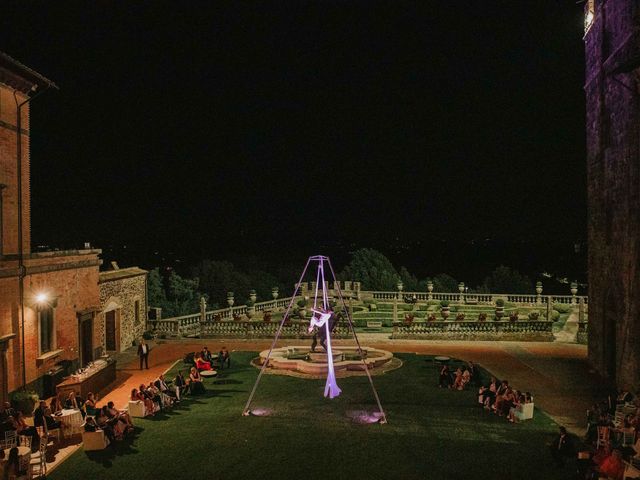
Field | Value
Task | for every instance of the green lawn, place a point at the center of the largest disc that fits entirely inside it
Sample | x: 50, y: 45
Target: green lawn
x: 431, y: 434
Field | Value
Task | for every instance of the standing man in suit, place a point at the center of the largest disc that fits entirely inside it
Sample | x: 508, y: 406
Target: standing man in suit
x: 561, y: 447
x: 143, y: 353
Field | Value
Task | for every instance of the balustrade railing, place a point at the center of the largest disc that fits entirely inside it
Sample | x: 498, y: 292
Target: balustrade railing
x: 217, y: 322
x: 453, y: 328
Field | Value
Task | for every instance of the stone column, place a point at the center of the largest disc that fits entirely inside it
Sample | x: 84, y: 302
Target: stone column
x: 203, y: 310
x: 395, y: 310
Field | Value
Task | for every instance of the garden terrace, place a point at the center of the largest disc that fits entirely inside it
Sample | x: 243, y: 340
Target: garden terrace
x: 383, y: 310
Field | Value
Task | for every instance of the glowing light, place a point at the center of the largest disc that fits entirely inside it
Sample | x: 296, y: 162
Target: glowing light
x: 42, y: 297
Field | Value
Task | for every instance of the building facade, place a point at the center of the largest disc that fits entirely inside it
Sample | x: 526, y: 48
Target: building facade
x: 51, y: 314
x: 123, y: 301
x: 612, y: 88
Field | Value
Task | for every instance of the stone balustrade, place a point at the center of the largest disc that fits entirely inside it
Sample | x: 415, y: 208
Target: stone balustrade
x: 531, y: 330
x: 234, y: 321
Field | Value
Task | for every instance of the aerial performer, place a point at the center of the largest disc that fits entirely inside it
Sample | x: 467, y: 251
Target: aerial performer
x: 324, y: 325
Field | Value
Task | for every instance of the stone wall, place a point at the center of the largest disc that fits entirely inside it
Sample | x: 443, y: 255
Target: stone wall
x: 612, y: 51
x: 119, y: 291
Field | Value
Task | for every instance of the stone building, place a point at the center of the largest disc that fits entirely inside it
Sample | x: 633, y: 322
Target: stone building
x: 612, y: 51
x: 51, y: 312
x: 123, y: 301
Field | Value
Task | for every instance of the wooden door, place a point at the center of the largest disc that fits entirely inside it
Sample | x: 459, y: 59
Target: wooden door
x: 110, y: 330
x: 86, y: 335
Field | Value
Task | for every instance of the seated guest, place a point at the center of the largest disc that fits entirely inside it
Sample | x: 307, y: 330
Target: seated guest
x: 90, y: 425
x: 444, y: 380
x: 90, y: 404
x: 200, y: 363
x: 613, y: 466
x: 137, y: 396
x: 74, y: 401
x: 519, y: 400
x: 6, y: 411
x: 119, y: 426
x: 206, y: 355
x: 2, y: 457
x: 165, y: 391
x: 12, y: 467
x: 181, y: 385
x: 57, y: 403
x: 102, y: 421
x: 23, y: 429
x: 150, y: 395
x: 224, y: 357
x: 121, y: 415
x: 196, y: 385
x: 42, y: 416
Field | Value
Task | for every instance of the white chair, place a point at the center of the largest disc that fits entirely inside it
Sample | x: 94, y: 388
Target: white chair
x: 618, y: 419
x: 10, y: 438
x: 38, y: 462
x: 136, y: 409
x: 24, y: 441
x: 628, y: 437
x: 603, y: 437
x: 53, y: 433
x: 524, y: 411
x: 94, y: 440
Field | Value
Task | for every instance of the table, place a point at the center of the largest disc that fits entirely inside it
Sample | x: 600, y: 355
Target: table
x: 71, y: 419
x: 208, y: 373
x: 442, y: 359
x: 93, y: 381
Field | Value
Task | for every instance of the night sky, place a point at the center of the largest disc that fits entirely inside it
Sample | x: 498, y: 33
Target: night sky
x: 219, y: 127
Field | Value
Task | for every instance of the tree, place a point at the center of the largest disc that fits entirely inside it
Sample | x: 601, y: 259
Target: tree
x: 409, y: 280
x: 444, y: 283
x: 155, y: 289
x: 175, y: 295
x: 372, y: 269
x: 183, y: 297
x: 506, y: 280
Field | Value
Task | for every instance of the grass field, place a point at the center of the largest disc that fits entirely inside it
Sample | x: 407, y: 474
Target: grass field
x: 431, y: 434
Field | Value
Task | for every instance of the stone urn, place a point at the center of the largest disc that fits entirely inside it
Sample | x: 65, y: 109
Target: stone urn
x: 253, y: 296
x: 275, y: 292
x: 539, y: 288
x: 574, y: 288
x: 444, y: 309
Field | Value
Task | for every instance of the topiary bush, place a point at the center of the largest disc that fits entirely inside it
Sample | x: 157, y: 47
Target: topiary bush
x: 500, y: 302
x: 535, y: 315
x: 301, y: 303
x: 407, y: 308
x: 562, y: 307
x: 444, y: 303
x: 25, y: 401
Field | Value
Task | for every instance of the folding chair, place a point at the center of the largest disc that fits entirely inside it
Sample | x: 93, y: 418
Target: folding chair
x: 38, y: 463
x: 24, y: 441
x: 618, y: 419
x: 603, y: 437
x: 628, y: 437
x: 10, y: 438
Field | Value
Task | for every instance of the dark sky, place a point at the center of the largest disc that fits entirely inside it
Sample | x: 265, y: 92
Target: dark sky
x: 215, y: 124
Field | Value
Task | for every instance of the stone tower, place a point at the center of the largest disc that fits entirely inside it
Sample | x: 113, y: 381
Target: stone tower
x: 612, y: 88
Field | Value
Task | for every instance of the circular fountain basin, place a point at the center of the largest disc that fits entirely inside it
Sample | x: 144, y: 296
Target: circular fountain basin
x: 301, y: 359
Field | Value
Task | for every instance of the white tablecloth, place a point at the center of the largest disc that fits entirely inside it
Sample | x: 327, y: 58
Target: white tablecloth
x: 72, y: 421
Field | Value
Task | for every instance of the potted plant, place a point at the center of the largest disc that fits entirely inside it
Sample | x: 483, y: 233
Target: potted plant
x: 513, y: 317
x: 444, y: 309
x: 267, y: 316
x: 253, y: 296
x: 499, y: 308
x: 432, y: 317
x: 408, y: 318
x: 460, y: 317
x: 482, y: 317
x: 538, y: 288
x: 24, y: 401
x: 534, y: 315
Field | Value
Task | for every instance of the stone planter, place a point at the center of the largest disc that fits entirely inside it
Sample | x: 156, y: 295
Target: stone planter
x: 445, y: 312
x: 499, y: 312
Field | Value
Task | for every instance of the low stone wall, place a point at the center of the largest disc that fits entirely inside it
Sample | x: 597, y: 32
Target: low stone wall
x: 532, y: 331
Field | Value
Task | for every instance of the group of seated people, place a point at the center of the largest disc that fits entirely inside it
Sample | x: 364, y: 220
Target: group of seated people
x: 115, y: 423
x: 160, y: 394
x: 618, y: 418
x: 459, y: 379
x: 204, y: 360
x: 14, y: 420
x: 502, y: 399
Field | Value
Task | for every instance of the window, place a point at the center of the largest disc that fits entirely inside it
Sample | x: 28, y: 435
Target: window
x: 47, y: 329
x: 136, y: 313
